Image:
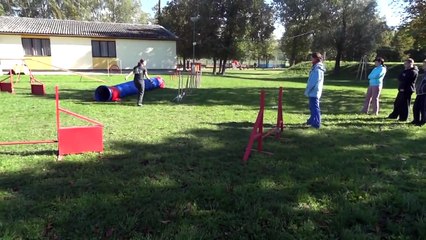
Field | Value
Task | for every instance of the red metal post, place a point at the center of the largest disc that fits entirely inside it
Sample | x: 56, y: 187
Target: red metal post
x: 260, y: 127
x: 280, y: 121
x: 57, y: 108
x: 256, y: 133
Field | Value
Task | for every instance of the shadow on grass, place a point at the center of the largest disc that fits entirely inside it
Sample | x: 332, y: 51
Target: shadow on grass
x: 332, y: 183
x: 333, y: 101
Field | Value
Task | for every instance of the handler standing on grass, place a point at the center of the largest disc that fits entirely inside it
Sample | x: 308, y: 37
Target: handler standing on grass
x: 139, y: 72
x: 406, y: 87
x: 314, y: 89
x: 419, y: 108
x: 375, y: 85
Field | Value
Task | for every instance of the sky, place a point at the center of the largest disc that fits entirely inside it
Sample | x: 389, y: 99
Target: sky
x: 387, y: 10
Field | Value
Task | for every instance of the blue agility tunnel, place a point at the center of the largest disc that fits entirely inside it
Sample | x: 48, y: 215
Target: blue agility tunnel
x: 115, y: 93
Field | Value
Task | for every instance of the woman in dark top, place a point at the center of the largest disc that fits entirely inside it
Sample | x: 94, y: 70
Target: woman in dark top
x: 419, y: 108
x: 406, y: 87
x: 140, y: 72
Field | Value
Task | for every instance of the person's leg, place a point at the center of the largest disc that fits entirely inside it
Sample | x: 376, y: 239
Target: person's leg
x: 309, y: 120
x: 416, y: 110
x: 139, y: 87
x: 367, y: 100
x: 375, y: 99
x: 396, y: 107
x: 315, y: 112
x: 422, y: 120
x: 141, y: 91
x: 404, y: 106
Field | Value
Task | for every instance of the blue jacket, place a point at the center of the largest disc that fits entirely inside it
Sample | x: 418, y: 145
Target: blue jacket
x: 376, y: 76
x: 315, y: 81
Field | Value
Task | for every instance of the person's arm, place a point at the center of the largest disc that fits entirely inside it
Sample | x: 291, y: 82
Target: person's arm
x: 312, y: 81
x: 128, y: 75
x: 377, y: 73
x: 145, y: 73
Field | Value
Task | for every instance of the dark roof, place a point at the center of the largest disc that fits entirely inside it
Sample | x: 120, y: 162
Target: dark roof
x: 40, y: 26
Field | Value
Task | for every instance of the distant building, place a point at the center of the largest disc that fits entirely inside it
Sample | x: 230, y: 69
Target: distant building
x: 50, y: 44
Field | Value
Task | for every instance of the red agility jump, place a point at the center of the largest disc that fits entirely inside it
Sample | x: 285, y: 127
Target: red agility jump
x: 72, y: 140
x: 257, y: 134
x: 37, y: 87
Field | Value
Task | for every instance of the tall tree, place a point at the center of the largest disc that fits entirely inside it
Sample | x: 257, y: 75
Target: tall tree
x: 415, y: 24
x: 100, y: 10
x: 352, y: 27
x: 176, y: 17
x: 299, y: 18
x: 221, y: 28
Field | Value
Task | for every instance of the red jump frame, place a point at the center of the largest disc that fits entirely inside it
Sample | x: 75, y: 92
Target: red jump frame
x: 72, y: 140
x: 257, y: 133
x: 7, y: 86
x: 37, y: 87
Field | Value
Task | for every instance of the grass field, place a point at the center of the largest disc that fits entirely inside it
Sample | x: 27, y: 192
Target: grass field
x: 174, y: 171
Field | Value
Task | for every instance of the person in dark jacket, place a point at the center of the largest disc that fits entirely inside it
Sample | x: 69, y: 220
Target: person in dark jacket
x: 406, y: 87
x: 139, y: 72
x: 419, y: 106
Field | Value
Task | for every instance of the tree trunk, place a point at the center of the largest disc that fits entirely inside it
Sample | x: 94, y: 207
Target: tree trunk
x: 214, y: 65
x: 184, y: 64
x: 340, y: 44
x: 338, y: 59
x: 224, y: 65
x: 293, y: 53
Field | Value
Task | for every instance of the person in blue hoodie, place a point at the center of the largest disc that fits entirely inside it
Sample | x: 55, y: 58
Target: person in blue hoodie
x: 375, y: 86
x: 314, y: 89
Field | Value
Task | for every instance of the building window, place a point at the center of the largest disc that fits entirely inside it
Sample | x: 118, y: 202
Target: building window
x: 36, y: 46
x: 103, y: 49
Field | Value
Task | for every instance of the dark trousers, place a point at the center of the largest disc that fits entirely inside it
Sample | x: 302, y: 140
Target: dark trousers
x: 140, y: 85
x: 419, y: 109
x: 315, y: 118
x: 401, y: 106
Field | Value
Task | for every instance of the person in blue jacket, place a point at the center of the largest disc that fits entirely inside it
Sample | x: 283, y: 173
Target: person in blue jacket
x: 314, y: 89
x: 375, y: 86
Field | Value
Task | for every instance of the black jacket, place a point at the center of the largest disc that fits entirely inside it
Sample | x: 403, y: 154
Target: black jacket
x: 421, y: 87
x: 407, y: 79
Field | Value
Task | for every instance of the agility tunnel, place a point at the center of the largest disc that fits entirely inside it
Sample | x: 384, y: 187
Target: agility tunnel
x: 115, y: 93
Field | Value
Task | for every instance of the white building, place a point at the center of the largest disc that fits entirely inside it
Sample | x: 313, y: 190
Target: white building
x: 49, y: 44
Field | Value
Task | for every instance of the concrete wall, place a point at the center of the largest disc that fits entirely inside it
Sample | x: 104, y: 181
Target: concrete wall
x: 71, y: 53
x: 10, y: 47
x: 158, y: 54
x: 76, y: 53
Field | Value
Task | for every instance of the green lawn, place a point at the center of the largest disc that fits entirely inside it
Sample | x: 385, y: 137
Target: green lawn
x: 174, y: 171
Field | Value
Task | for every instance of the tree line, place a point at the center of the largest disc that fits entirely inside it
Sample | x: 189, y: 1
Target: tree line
x: 123, y: 11
x: 350, y: 30
x: 242, y: 29
x: 222, y: 29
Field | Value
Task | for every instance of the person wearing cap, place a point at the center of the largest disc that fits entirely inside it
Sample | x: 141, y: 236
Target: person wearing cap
x: 406, y: 87
x: 314, y: 89
x: 419, y: 106
x: 375, y: 85
x: 139, y: 72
